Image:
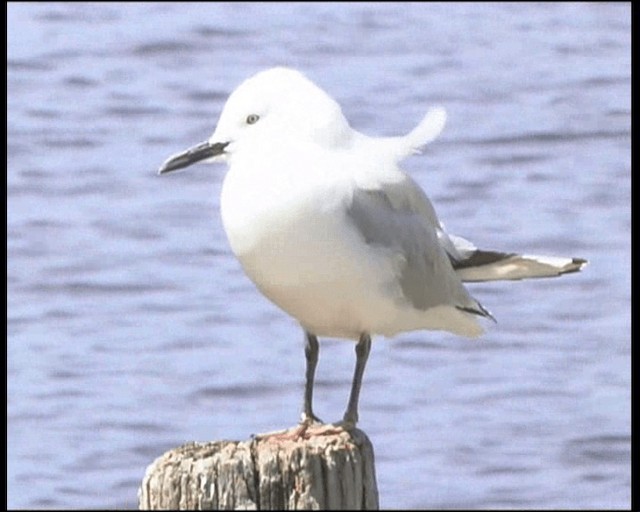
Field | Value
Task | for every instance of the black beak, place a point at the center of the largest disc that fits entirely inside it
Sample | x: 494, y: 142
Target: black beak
x: 192, y: 155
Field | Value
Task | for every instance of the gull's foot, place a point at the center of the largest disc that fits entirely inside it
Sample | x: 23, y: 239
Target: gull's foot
x: 276, y: 434
x: 327, y: 429
x: 306, y: 430
x: 296, y: 433
x: 310, y: 419
x: 346, y: 424
x: 291, y: 434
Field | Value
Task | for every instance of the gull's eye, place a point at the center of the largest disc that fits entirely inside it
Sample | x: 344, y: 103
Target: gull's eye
x: 252, y: 118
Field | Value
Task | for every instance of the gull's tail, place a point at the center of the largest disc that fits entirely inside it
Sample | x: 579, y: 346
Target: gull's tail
x: 473, y: 264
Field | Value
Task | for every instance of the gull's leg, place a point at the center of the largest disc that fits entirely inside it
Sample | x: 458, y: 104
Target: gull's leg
x: 308, y: 421
x: 311, y: 349
x: 362, y: 353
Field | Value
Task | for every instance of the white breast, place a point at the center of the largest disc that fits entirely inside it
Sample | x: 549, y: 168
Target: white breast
x: 290, y: 231
x: 293, y: 240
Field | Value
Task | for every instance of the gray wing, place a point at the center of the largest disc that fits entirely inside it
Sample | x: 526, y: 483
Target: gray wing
x: 399, y: 216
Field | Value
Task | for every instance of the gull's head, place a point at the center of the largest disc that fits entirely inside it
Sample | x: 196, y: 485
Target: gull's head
x: 272, y: 108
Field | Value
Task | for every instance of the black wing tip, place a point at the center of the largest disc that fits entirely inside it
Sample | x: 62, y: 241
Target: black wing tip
x: 479, y: 311
x: 480, y: 257
x: 578, y: 265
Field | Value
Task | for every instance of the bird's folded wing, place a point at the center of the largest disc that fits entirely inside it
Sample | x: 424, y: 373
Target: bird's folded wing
x: 399, y: 218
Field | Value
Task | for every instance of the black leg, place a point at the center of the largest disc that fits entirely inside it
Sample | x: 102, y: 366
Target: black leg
x: 311, y: 350
x: 362, y: 353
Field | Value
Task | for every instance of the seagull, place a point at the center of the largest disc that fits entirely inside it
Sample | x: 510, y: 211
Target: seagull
x: 328, y: 227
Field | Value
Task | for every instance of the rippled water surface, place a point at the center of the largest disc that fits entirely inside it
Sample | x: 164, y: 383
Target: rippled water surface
x: 132, y: 329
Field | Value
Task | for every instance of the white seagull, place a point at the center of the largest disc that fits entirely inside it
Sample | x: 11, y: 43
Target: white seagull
x: 329, y: 228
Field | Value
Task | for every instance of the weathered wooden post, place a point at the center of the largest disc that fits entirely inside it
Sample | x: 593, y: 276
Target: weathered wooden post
x: 329, y: 470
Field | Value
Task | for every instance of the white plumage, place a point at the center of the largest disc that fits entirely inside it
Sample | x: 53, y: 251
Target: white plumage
x: 328, y: 226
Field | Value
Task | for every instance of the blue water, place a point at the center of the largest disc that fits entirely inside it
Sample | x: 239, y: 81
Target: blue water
x: 132, y: 329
